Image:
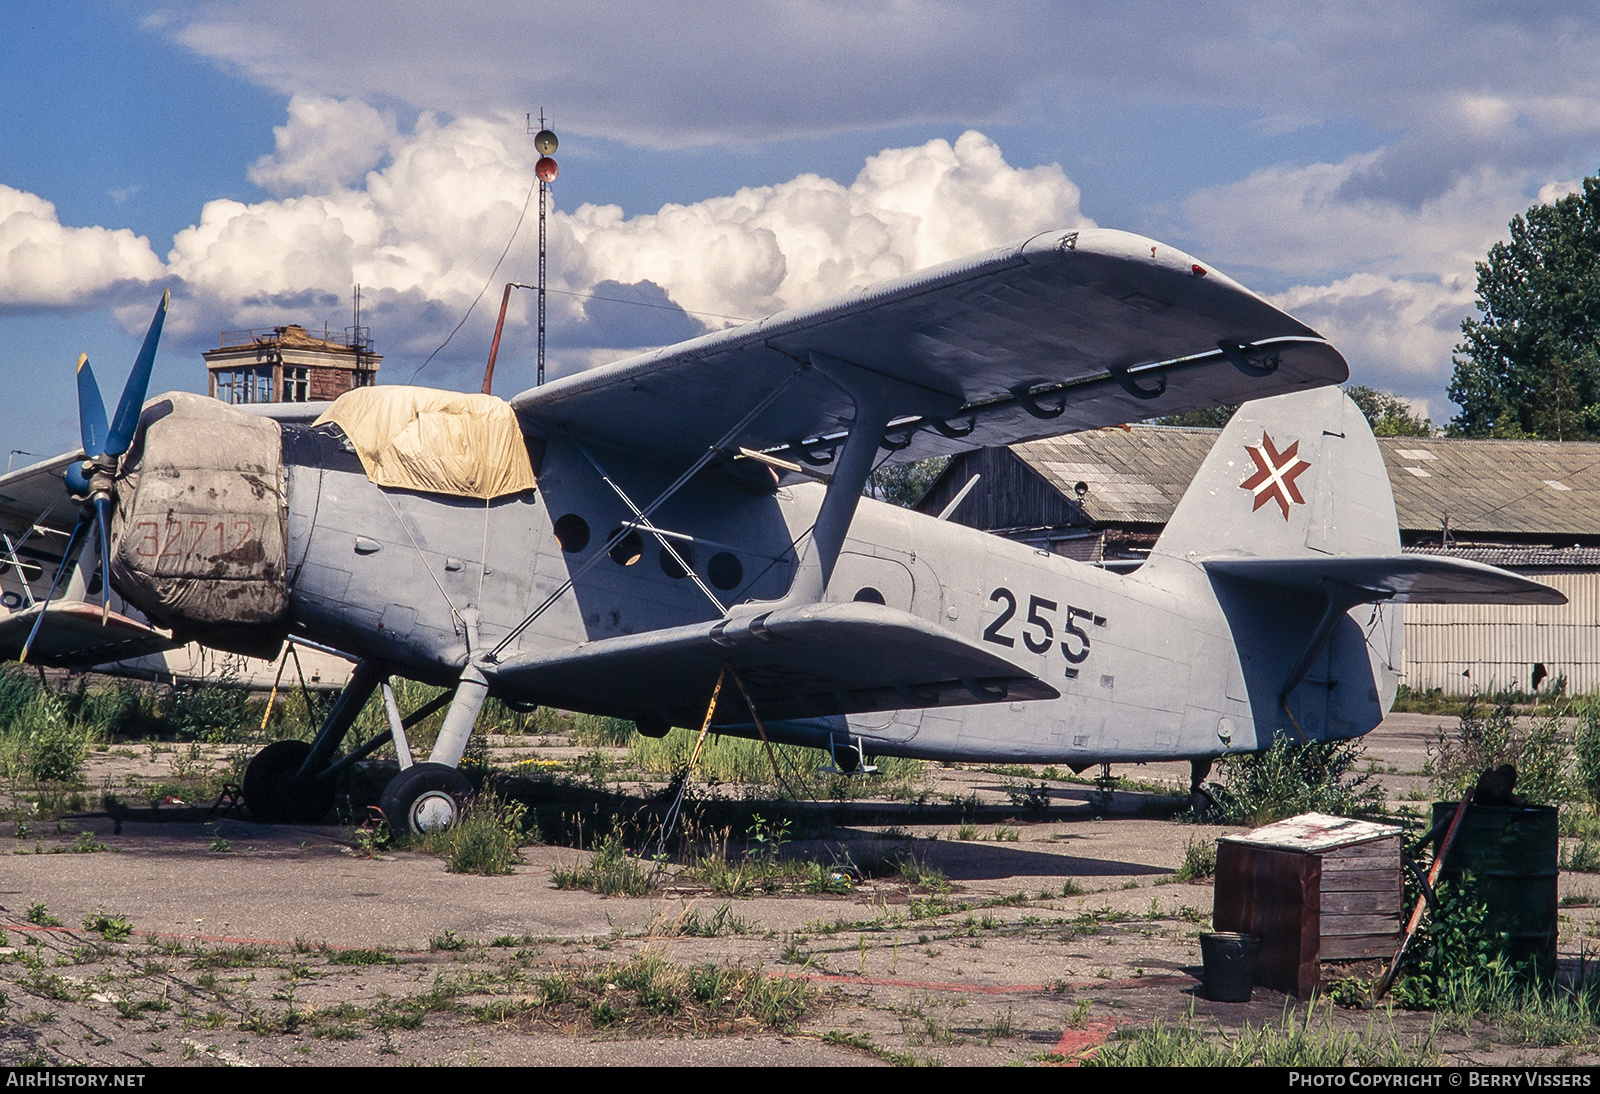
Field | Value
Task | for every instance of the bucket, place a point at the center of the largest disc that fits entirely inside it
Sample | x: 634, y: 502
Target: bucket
x: 1512, y: 853
x: 1230, y: 965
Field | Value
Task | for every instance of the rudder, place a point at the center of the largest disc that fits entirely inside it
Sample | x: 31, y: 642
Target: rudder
x: 1290, y: 476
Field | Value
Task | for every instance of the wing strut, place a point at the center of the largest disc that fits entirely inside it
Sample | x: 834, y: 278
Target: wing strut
x: 644, y: 522
x: 706, y: 457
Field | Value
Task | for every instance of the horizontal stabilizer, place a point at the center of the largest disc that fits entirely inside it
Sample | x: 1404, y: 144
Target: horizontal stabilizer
x: 72, y: 636
x: 1415, y: 579
x: 802, y: 662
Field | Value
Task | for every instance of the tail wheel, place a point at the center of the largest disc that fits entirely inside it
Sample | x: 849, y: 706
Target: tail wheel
x: 276, y: 794
x: 424, y: 798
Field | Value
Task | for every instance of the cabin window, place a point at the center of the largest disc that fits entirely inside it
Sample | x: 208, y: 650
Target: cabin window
x: 627, y: 550
x: 669, y: 565
x: 572, y: 533
x: 725, y: 570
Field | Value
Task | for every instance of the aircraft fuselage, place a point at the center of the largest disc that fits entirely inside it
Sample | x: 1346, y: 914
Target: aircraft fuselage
x: 1148, y: 665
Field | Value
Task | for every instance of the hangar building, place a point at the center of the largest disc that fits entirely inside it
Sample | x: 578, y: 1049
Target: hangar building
x: 1103, y: 496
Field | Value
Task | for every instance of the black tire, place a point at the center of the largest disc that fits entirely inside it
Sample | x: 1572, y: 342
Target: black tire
x: 422, y: 792
x: 274, y: 792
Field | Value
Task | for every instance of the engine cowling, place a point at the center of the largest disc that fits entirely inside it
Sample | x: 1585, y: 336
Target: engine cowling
x: 199, y: 535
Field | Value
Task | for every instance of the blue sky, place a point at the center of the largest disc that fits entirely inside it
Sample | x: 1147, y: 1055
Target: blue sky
x: 1350, y: 162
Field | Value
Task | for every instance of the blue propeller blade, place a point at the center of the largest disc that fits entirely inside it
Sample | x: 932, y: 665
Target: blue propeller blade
x: 102, y: 517
x: 127, y: 419
x: 91, y: 410
x: 66, y: 560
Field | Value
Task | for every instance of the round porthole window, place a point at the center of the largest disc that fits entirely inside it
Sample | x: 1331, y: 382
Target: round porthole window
x: 669, y: 565
x: 572, y: 532
x: 868, y: 595
x: 725, y: 570
x: 627, y: 550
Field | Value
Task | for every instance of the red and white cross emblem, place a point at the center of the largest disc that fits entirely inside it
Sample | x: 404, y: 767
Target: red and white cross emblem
x: 1275, y: 474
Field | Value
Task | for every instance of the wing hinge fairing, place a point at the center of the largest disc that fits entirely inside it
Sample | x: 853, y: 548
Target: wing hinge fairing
x: 1050, y: 401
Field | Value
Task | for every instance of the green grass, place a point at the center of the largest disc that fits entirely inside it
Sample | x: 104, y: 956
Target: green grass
x: 741, y: 760
x: 610, y: 871
x: 486, y: 840
x: 1199, y: 860
x: 1290, y: 1042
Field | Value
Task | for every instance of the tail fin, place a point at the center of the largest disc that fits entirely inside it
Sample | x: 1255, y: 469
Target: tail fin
x: 1293, y: 476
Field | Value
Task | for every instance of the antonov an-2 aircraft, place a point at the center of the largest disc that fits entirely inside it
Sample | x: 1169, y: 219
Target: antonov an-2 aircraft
x: 608, y: 542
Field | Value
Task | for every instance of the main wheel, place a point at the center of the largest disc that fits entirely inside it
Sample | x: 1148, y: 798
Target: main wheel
x: 275, y: 792
x: 425, y: 797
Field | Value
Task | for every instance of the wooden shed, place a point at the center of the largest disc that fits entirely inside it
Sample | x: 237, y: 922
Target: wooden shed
x: 1313, y: 888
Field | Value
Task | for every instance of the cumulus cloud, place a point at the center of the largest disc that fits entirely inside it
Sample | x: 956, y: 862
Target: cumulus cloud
x: 1387, y: 282
x: 1396, y: 333
x: 422, y: 233
x: 44, y: 263
x: 767, y: 248
x: 326, y: 143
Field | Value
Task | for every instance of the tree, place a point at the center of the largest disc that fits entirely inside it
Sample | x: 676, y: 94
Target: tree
x: 904, y: 484
x: 1389, y: 415
x: 1211, y: 417
x: 1528, y: 367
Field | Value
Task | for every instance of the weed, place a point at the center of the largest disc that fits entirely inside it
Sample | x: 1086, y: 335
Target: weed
x: 449, y: 942
x: 86, y: 844
x: 1287, y: 779
x: 485, y: 841
x: 111, y: 928
x: 1007, y: 835
x: 1488, y: 736
x: 39, y: 915
x: 1582, y: 857
x: 360, y: 958
x: 1199, y: 860
x: 1033, y: 799
x: 1070, y: 887
x: 1290, y: 1042
x: 965, y: 832
x: 611, y: 871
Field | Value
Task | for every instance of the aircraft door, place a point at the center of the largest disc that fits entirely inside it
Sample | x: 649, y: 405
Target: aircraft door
x: 873, y: 580
x: 887, y: 725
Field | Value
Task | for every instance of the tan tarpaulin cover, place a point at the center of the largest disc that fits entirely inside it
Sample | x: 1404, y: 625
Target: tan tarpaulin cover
x: 443, y: 442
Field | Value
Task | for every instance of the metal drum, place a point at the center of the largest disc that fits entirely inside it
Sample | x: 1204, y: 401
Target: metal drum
x: 1512, y: 852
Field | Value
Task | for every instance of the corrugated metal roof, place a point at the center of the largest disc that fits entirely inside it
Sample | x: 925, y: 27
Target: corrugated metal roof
x: 1134, y: 475
x: 1519, y: 558
x: 1137, y: 475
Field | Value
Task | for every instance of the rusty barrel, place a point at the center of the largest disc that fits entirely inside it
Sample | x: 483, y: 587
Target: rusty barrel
x: 1512, y: 852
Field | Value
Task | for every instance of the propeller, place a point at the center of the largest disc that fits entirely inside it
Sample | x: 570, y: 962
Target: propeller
x: 104, y: 443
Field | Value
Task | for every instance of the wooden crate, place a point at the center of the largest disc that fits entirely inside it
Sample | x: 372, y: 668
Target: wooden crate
x: 1312, y: 888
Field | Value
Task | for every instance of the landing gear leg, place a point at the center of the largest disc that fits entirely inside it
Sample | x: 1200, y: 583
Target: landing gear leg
x: 284, y: 783
x: 1200, y: 801
x: 429, y: 797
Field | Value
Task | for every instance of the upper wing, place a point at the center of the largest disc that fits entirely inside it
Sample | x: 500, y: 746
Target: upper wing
x: 1064, y: 331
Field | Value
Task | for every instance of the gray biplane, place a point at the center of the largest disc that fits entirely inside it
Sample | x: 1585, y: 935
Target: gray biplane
x: 609, y: 541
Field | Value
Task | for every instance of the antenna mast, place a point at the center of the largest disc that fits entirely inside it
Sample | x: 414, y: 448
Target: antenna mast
x: 545, y: 143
